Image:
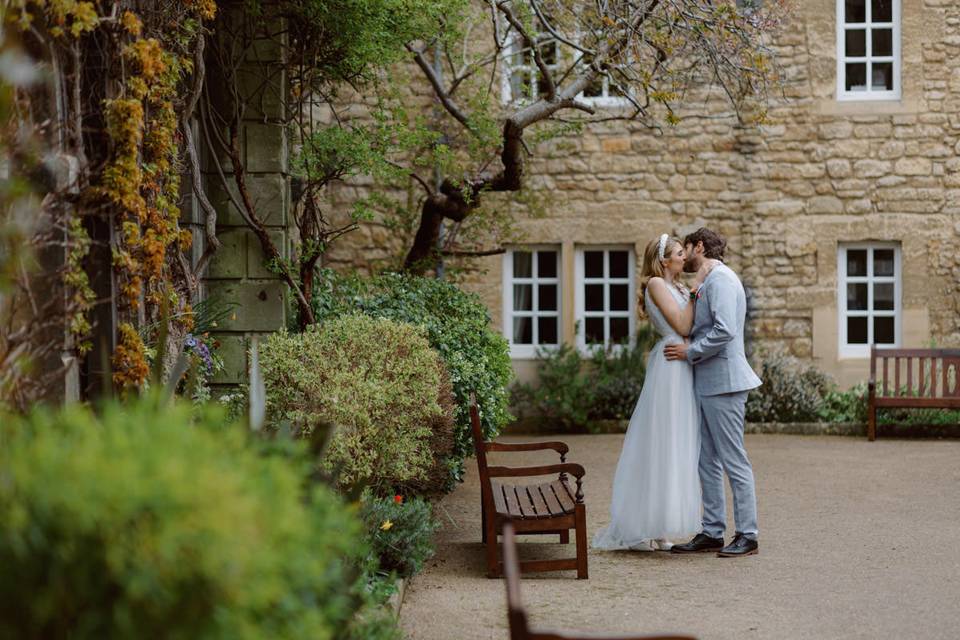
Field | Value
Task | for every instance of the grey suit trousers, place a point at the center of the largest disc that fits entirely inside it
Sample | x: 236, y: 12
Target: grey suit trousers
x: 722, y: 450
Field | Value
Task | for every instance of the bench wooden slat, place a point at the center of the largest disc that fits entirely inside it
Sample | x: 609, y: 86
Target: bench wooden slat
x: 498, y: 501
x: 563, y: 495
x: 512, y: 507
x: 537, y: 499
x: 886, y: 377
x: 896, y: 376
x: 553, y: 505
x: 909, y: 376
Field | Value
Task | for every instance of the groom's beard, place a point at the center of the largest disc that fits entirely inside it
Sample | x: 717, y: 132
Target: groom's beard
x: 692, y: 265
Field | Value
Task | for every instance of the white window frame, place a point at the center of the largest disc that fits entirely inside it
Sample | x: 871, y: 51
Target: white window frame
x: 581, y: 281
x: 513, y: 48
x: 842, y: 59
x: 530, y: 351
x: 863, y: 350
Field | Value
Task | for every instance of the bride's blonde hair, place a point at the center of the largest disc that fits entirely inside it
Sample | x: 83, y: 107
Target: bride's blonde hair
x: 652, y: 267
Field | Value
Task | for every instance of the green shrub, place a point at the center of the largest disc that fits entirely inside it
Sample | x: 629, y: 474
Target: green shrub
x: 618, y: 376
x: 156, y: 521
x: 400, y: 533
x: 382, y: 386
x: 844, y: 406
x: 564, y: 391
x: 457, y: 324
x: 573, y: 390
x: 791, y: 392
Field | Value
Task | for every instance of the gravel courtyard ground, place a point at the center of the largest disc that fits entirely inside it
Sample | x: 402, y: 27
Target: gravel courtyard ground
x: 858, y: 540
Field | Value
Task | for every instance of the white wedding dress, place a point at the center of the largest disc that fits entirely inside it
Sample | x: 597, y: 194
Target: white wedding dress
x: 656, y: 488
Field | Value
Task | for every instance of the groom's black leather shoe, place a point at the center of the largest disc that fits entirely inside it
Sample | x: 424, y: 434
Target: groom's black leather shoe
x: 741, y: 546
x: 701, y: 543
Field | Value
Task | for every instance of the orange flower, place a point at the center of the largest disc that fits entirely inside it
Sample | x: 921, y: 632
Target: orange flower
x: 398, y: 499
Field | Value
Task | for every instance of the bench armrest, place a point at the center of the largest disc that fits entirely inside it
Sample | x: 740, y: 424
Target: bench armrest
x: 559, y: 447
x: 572, y: 468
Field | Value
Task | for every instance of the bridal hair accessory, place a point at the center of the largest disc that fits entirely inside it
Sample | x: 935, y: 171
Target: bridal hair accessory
x: 662, y: 245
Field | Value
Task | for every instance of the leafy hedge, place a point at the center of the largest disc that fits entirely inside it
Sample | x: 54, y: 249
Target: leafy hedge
x: 149, y: 522
x: 382, y: 386
x: 457, y: 324
x: 574, y: 390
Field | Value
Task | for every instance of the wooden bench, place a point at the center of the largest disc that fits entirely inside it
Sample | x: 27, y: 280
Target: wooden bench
x: 517, y: 616
x: 548, y: 508
x: 931, y: 380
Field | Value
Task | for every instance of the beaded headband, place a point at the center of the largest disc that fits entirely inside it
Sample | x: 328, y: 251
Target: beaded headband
x: 662, y: 245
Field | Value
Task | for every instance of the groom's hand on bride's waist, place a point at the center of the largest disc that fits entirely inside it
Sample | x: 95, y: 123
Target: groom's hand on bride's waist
x: 676, y: 351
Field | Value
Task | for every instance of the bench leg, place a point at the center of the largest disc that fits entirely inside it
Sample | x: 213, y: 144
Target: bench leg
x: 493, y: 558
x: 581, y: 531
x: 483, y: 524
x: 565, y: 536
x: 871, y: 422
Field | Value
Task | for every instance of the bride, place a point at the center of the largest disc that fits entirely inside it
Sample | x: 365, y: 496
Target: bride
x: 656, y: 487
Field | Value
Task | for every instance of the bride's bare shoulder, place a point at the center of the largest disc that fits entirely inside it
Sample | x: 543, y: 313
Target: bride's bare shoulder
x: 656, y: 282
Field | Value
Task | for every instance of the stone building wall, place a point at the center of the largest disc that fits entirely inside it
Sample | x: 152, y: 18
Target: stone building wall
x: 822, y: 172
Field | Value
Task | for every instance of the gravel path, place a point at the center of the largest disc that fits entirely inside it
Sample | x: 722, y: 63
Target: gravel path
x: 857, y: 540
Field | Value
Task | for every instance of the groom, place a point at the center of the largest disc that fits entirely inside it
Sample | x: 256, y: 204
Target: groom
x: 722, y: 378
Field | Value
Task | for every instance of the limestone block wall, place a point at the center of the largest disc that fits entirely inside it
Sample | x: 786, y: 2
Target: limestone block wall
x: 786, y: 194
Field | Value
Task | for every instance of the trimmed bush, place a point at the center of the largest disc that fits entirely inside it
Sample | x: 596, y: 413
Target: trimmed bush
x: 382, y: 386
x: 791, y: 392
x: 150, y: 522
x: 457, y: 324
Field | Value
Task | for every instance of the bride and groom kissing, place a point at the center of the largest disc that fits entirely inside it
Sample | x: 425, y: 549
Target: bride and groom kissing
x: 687, y: 428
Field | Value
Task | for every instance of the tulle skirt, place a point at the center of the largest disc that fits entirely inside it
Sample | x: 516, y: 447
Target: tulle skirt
x: 656, y: 487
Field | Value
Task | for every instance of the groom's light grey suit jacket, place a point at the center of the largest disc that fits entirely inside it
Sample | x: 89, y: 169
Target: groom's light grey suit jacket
x: 716, y: 340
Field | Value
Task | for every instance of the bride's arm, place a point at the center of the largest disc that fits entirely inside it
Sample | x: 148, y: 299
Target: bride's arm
x: 680, y: 319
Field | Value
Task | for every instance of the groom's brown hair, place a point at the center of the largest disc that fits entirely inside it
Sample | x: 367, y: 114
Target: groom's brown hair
x: 713, y: 243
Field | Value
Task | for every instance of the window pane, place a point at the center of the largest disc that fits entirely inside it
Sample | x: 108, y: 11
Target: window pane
x: 523, y: 297
x: 857, y: 330
x: 883, y: 262
x: 547, y: 264
x: 548, y: 297
x: 882, y: 42
x: 856, y: 42
x: 857, y: 262
x: 619, y: 329
x: 523, y: 330
x: 619, y: 261
x: 593, y: 330
x: 883, y: 296
x: 522, y: 264
x: 593, y: 264
x: 594, y: 89
x: 881, y: 11
x: 857, y: 296
x: 520, y: 86
x: 593, y: 297
x: 548, y: 51
x: 547, y: 328
x: 543, y: 89
x: 619, y: 297
x: 855, y: 10
x: 883, y: 330
x: 856, y: 76
x: 882, y: 76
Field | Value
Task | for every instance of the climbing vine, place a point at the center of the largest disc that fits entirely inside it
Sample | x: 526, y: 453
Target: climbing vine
x: 120, y: 73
